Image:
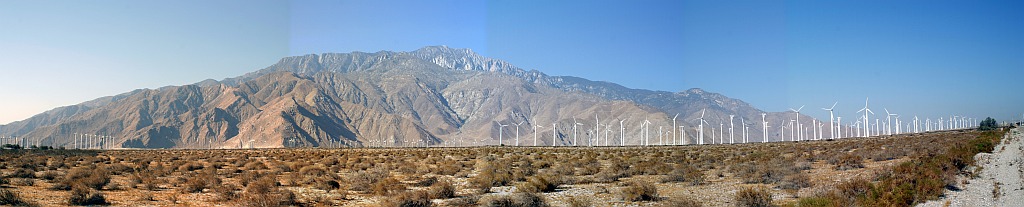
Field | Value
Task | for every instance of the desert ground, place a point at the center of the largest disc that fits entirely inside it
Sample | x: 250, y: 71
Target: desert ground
x: 901, y: 170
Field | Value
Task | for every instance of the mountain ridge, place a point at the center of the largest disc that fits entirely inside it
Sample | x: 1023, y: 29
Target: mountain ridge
x: 441, y: 94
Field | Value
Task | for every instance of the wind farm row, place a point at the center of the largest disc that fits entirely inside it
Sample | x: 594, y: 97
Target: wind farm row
x: 865, y: 125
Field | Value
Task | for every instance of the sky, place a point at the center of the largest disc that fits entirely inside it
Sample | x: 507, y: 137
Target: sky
x: 924, y: 58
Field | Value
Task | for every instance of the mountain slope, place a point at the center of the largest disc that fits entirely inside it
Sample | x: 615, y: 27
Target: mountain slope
x: 432, y: 96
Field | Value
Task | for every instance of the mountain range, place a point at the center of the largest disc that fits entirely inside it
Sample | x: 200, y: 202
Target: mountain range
x: 433, y: 96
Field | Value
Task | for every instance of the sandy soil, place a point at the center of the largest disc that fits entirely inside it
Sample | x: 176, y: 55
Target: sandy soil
x: 1001, y: 181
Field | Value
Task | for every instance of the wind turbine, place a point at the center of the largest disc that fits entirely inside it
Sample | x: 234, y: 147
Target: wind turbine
x: 574, y: 143
x: 674, y: 128
x: 866, y: 111
x: 500, y: 131
x: 721, y: 132
x: 799, y: 134
x: 744, y: 130
x: 701, y: 131
x: 732, y: 133
x: 647, y: 132
x: 622, y: 134
x: 792, y: 130
x: 831, y: 124
x: 535, y: 126
x: 517, y: 131
x: 764, y: 128
x: 888, y: 122
x: 554, y: 133
x: 597, y: 130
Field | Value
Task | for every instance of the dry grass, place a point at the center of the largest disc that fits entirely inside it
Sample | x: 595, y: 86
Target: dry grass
x: 849, y: 171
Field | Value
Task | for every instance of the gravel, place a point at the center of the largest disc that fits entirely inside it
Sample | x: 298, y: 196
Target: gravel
x: 1001, y: 182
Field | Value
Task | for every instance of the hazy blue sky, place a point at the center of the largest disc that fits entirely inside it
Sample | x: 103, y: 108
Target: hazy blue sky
x: 926, y: 58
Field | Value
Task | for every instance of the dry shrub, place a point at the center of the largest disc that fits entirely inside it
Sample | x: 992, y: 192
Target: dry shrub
x: 388, y: 186
x: 11, y: 198
x: 766, y: 172
x: 365, y: 180
x: 539, y: 184
x: 681, y: 202
x: 616, y: 169
x: 514, y: 200
x: 848, y: 161
x: 23, y: 181
x: 205, y: 180
x: 639, y: 191
x: 685, y: 173
x: 442, y: 189
x: 264, y: 192
x: 49, y: 175
x: 492, y: 173
x: 754, y: 197
x: 23, y: 173
x: 83, y: 196
x: 579, y: 201
x: 795, y: 182
x: 408, y: 199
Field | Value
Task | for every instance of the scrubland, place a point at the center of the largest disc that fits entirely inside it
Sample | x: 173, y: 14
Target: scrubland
x: 878, y: 171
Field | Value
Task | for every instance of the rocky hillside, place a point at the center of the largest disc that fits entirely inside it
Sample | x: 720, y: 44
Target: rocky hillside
x: 428, y: 97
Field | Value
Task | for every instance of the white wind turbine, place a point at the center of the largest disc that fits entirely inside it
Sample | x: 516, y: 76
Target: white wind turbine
x: 535, y: 126
x: 574, y: 140
x: 597, y: 130
x: 674, y: 128
x: 888, y: 122
x: 744, y: 130
x: 732, y: 133
x: 793, y: 130
x: 517, y: 131
x: 798, y: 133
x: 721, y: 132
x: 866, y: 111
x: 500, y: 131
x: 831, y: 123
x: 764, y: 128
x: 839, y: 127
x: 647, y: 132
x: 701, y: 131
x: 622, y: 133
x: 814, y: 129
x: 682, y: 137
x: 554, y: 133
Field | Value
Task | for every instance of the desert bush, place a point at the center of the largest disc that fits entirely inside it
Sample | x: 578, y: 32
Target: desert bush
x: 48, y: 175
x: 205, y: 180
x: 408, y: 199
x: 364, y: 180
x: 426, y: 182
x: 579, y: 201
x: 23, y: 181
x: 83, y: 196
x: 795, y: 182
x: 10, y: 198
x: 22, y: 173
x: 753, y: 197
x: 616, y: 170
x: 539, y: 184
x: 514, y: 200
x: 639, y: 191
x: 681, y: 202
x: 442, y: 189
x: 388, y: 186
x: 685, y: 173
x: 849, y: 161
x: 265, y: 192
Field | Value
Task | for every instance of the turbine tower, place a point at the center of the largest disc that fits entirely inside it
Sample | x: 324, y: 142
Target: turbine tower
x: 831, y: 123
x: 764, y: 128
x: 500, y: 131
x: 799, y: 135
x: 866, y: 111
x: 701, y: 130
x: 888, y: 122
x: 732, y: 133
x: 674, y: 128
x: 517, y: 131
x: 535, y: 126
